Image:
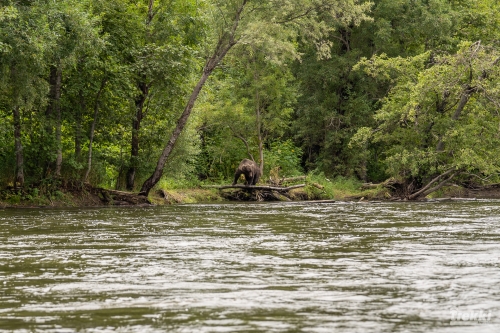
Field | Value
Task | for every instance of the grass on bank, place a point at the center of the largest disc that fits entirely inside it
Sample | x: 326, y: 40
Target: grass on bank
x: 318, y: 187
x: 341, y: 188
x: 172, y: 191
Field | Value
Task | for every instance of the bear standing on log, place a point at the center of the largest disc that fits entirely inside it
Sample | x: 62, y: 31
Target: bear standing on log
x: 251, y: 171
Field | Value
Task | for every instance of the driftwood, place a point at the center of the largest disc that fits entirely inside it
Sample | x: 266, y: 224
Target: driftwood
x: 257, y: 187
x: 389, y: 183
x: 279, y: 181
x: 256, y: 192
x: 292, y: 179
x: 321, y: 187
x: 367, y: 186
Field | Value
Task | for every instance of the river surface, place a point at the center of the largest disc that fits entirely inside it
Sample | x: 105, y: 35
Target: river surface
x: 272, y: 267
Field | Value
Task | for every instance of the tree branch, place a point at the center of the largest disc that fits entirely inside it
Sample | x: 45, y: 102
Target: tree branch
x: 305, y: 13
x: 466, y: 94
x: 244, y: 141
x: 438, y: 186
x: 426, y: 187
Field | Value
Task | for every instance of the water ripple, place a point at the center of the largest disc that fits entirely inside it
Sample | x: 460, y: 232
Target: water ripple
x: 355, y: 267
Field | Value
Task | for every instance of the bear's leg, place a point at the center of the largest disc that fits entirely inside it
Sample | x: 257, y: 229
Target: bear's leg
x: 249, y: 178
x: 237, y: 175
x: 254, y: 179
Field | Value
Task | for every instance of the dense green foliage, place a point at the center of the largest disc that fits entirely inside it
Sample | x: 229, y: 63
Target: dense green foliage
x: 91, y: 90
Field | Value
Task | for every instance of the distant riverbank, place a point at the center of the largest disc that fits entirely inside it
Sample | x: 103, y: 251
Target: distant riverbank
x: 85, y: 195
x: 340, y: 189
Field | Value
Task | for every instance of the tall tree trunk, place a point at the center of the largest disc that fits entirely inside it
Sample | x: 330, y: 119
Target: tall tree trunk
x: 136, y: 125
x: 57, y: 171
x: 363, y: 164
x: 80, y: 110
x: 92, y: 129
x: 150, y: 12
x: 53, y: 114
x: 258, y: 119
x: 139, y: 112
x: 261, y: 154
x: 259, y: 134
x: 225, y: 43
x: 19, y: 177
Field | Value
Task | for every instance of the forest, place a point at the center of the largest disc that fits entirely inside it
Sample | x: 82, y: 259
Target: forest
x: 132, y: 95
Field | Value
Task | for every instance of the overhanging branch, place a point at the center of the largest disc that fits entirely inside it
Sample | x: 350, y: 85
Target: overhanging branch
x: 244, y: 141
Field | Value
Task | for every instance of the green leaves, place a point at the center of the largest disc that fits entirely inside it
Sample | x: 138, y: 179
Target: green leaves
x: 440, y: 113
x: 352, y: 83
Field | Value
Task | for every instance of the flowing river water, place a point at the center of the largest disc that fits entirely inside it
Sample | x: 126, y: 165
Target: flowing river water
x: 271, y: 267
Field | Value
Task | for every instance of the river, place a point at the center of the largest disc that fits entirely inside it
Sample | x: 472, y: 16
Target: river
x: 270, y: 267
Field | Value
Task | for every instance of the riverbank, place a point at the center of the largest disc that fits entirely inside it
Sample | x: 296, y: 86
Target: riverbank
x: 159, y: 197
x: 341, y: 189
x: 316, y: 188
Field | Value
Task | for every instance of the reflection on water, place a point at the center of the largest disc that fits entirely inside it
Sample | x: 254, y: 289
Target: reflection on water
x: 401, y: 267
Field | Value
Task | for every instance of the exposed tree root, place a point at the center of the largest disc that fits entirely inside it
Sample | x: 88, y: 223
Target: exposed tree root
x: 117, y: 198
x: 257, y: 193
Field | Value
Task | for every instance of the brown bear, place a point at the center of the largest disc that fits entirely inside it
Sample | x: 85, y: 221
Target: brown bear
x: 251, y: 171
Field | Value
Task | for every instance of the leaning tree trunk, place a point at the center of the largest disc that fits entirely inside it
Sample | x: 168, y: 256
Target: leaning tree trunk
x: 19, y: 177
x: 181, y: 123
x: 225, y: 43
x: 245, y: 142
x: 427, y: 189
x: 136, y: 125
x: 466, y: 95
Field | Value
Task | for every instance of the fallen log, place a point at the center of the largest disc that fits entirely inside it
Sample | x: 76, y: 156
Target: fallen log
x: 367, y: 186
x: 321, y: 187
x: 292, y: 179
x: 276, y: 181
x: 389, y: 183
x: 257, y: 187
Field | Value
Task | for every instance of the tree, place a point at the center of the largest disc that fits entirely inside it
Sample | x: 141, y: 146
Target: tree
x: 160, y: 59
x: 25, y: 41
x: 226, y: 41
x: 336, y: 101
x: 235, y: 25
x: 254, y: 100
x: 440, y: 119
x: 76, y: 33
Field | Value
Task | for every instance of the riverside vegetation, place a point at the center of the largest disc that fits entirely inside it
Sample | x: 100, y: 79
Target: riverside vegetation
x: 155, y: 96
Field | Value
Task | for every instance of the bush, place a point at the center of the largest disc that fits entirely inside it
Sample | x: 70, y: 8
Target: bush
x: 285, y: 156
